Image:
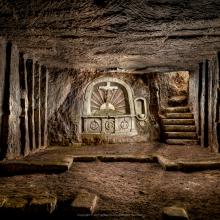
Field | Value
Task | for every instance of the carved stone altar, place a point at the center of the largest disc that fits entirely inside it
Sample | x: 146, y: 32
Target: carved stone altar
x: 108, y: 108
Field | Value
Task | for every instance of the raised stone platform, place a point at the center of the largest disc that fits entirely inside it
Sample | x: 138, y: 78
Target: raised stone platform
x: 49, y: 164
x: 59, y: 159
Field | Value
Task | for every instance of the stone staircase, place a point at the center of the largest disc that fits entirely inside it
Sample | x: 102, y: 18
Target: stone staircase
x: 178, y: 126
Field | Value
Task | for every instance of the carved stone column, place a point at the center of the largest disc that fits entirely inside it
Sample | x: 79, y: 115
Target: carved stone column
x: 24, y: 138
x: 10, y: 127
x: 204, y: 104
x: 44, y: 94
x: 2, y: 77
x: 30, y: 80
x: 37, y: 99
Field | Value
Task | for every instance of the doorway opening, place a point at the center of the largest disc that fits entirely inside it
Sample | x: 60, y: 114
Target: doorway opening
x: 177, y: 121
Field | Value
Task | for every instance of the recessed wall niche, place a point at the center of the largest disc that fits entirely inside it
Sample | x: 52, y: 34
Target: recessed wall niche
x: 141, y: 108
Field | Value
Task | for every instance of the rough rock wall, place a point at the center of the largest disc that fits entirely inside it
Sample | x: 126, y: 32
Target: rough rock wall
x: 17, y: 99
x: 193, y: 99
x: 15, y: 110
x: 204, y: 102
x: 44, y: 106
x: 2, y: 77
x: 10, y: 132
x: 68, y: 87
x: 172, y: 84
x: 64, y: 103
x: 213, y: 104
x: 159, y: 35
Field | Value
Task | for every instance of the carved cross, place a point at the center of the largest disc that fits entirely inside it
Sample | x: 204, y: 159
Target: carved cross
x: 106, y: 89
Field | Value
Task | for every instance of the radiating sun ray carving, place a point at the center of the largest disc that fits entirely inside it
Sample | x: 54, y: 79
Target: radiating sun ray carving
x: 108, y: 102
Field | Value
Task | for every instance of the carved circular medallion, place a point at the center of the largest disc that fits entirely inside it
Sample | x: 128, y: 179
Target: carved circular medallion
x: 94, y: 125
x: 124, y: 124
x: 109, y: 125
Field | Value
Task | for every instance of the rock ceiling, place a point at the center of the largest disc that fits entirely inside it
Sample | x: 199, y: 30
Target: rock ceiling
x: 129, y: 35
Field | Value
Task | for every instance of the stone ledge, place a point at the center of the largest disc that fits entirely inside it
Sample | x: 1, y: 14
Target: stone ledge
x: 29, y: 207
x: 180, y: 109
x: 43, y: 205
x: 127, y: 158
x: 3, y: 199
x: 15, y: 203
x: 116, y: 158
x: 190, y: 166
x: 181, y: 141
x: 13, y: 206
x: 177, y: 128
x: 174, y: 213
x: 85, y: 158
x: 171, y: 121
x: 179, y: 115
x: 167, y: 164
x: 84, y: 203
x: 19, y: 167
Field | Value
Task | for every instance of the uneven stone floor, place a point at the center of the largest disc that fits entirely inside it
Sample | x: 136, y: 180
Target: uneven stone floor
x: 126, y: 190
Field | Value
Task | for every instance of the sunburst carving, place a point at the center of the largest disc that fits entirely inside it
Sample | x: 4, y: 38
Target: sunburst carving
x: 108, y: 100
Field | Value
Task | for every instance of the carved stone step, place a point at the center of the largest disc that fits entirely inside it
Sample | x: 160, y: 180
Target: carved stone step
x: 179, y: 128
x: 178, y: 122
x: 180, y: 135
x: 181, y: 141
x: 177, y: 101
x: 179, y: 115
x: 180, y: 109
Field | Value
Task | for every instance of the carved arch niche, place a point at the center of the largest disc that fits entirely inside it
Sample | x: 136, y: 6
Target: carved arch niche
x: 108, y: 107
